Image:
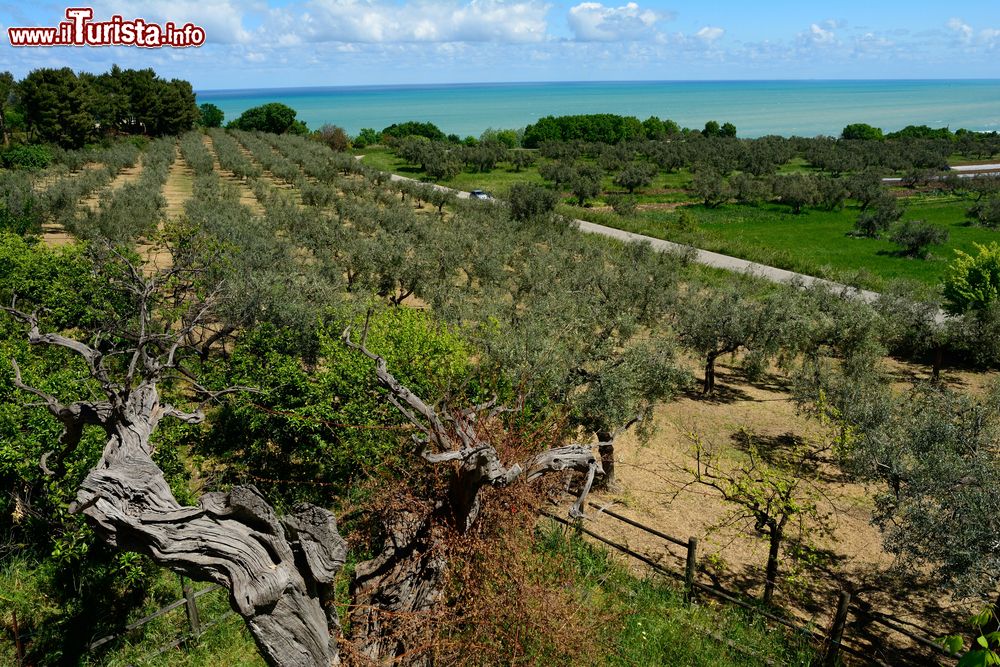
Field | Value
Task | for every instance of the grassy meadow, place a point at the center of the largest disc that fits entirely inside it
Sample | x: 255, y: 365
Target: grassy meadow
x: 816, y: 242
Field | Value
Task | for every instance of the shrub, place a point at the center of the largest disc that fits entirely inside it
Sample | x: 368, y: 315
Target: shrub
x: 19, y: 210
x: 31, y: 158
x: 335, y: 137
x: 528, y: 201
x: 973, y: 282
x: 914, y: 237
x: 622, y: 204
x: 366, y: 137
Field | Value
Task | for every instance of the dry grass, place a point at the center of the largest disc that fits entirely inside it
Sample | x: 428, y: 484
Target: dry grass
x: 655, y: 487
x: 247, y: 197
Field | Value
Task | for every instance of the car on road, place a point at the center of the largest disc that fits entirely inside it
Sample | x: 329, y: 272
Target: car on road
x: 480, y: 194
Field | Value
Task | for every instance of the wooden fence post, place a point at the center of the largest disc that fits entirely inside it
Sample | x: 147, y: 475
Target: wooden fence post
x: 690, y: 568
x: 192, y: 607
x: 837, y: 629
x: 18, y: 645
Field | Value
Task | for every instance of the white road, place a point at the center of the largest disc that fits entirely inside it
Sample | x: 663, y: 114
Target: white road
x: 715, y: 259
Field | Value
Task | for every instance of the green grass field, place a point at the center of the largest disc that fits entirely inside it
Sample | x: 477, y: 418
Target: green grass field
x: 497, y: 181
x: 815, y: 242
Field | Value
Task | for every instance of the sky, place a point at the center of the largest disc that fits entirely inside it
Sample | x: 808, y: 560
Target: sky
x: 290, y: 43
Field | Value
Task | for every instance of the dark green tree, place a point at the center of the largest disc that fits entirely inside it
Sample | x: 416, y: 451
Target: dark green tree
x: 7, y: 88
x: 398, y: 131
x: 915, y: 237
x: 366, y: 137
x: 57, y: 107
x: 861, y: 132
x: 211, y: 115
x: 272, y: 117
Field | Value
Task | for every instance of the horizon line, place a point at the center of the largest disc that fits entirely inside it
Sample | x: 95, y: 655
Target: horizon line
x: 607, y: 81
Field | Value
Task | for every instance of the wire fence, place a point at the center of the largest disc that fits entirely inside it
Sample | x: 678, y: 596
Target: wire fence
x: 195, y: 626
x: 848, y: 632
x: 833, y: 639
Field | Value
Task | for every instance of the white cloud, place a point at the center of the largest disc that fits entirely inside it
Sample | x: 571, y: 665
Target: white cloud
x: 221, y: 19
x: 594, y: 22
x: 990, y: 37
x: 820, y: 35
x: 872, y: 42
x: 381, y: 21
x: 961, y: 29
x: 709, y: 34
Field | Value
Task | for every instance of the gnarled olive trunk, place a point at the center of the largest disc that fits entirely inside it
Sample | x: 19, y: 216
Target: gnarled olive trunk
x: 395, y: 593
x: 278, y: 571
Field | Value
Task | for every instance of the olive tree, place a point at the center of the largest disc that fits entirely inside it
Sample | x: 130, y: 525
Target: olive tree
x: 722, y: 321
x: 767, y: 492
x: 914, y: 237
x: 635, y: 175
x: 936, y: 455
x: 278, y: 570
x: 877, y: 217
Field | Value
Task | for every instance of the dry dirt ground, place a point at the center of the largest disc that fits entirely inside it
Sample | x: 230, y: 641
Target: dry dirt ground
x: 247, y: 197
x: 53, y: 234
x: 656, y: 487
x: 179, y: 186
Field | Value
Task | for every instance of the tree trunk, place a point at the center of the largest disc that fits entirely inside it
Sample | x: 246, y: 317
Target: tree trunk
x: 771, y: 572
x: 394, y: 595
x: 278, y: 572
x: 938, y: 363
x: 606, y: 450
x: 709, y: 384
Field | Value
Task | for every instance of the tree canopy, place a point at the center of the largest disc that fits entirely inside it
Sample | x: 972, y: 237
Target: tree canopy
x: 71, y: 109
x: 211, y: 115
x: 273, y: 117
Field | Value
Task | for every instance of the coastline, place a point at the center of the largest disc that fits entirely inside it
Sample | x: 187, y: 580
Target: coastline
x: 808, y: 107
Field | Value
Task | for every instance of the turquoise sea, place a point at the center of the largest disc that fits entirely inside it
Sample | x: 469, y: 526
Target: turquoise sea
x: 757, y: 108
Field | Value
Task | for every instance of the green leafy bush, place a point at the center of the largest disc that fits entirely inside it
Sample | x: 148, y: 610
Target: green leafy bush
x: 31, y: 158
x: 317, y: 432
x: 973, y: 282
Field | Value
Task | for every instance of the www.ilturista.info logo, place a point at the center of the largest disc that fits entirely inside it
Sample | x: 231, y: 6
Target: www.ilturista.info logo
x: 80, y: 30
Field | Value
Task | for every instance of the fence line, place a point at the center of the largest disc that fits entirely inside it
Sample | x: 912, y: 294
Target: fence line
x: 189, y: 601
x: 833, y: 640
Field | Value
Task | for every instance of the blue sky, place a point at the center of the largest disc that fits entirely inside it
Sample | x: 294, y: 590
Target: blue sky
x: 277, y: 43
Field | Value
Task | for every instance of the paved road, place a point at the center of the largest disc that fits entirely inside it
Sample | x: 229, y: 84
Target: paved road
x: 714, y: 259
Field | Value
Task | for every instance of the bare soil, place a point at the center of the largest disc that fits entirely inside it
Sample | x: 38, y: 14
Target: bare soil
x: 247, y: 197
x: 126, y: 175
x: 179, y: 186
x: 656, y: 487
